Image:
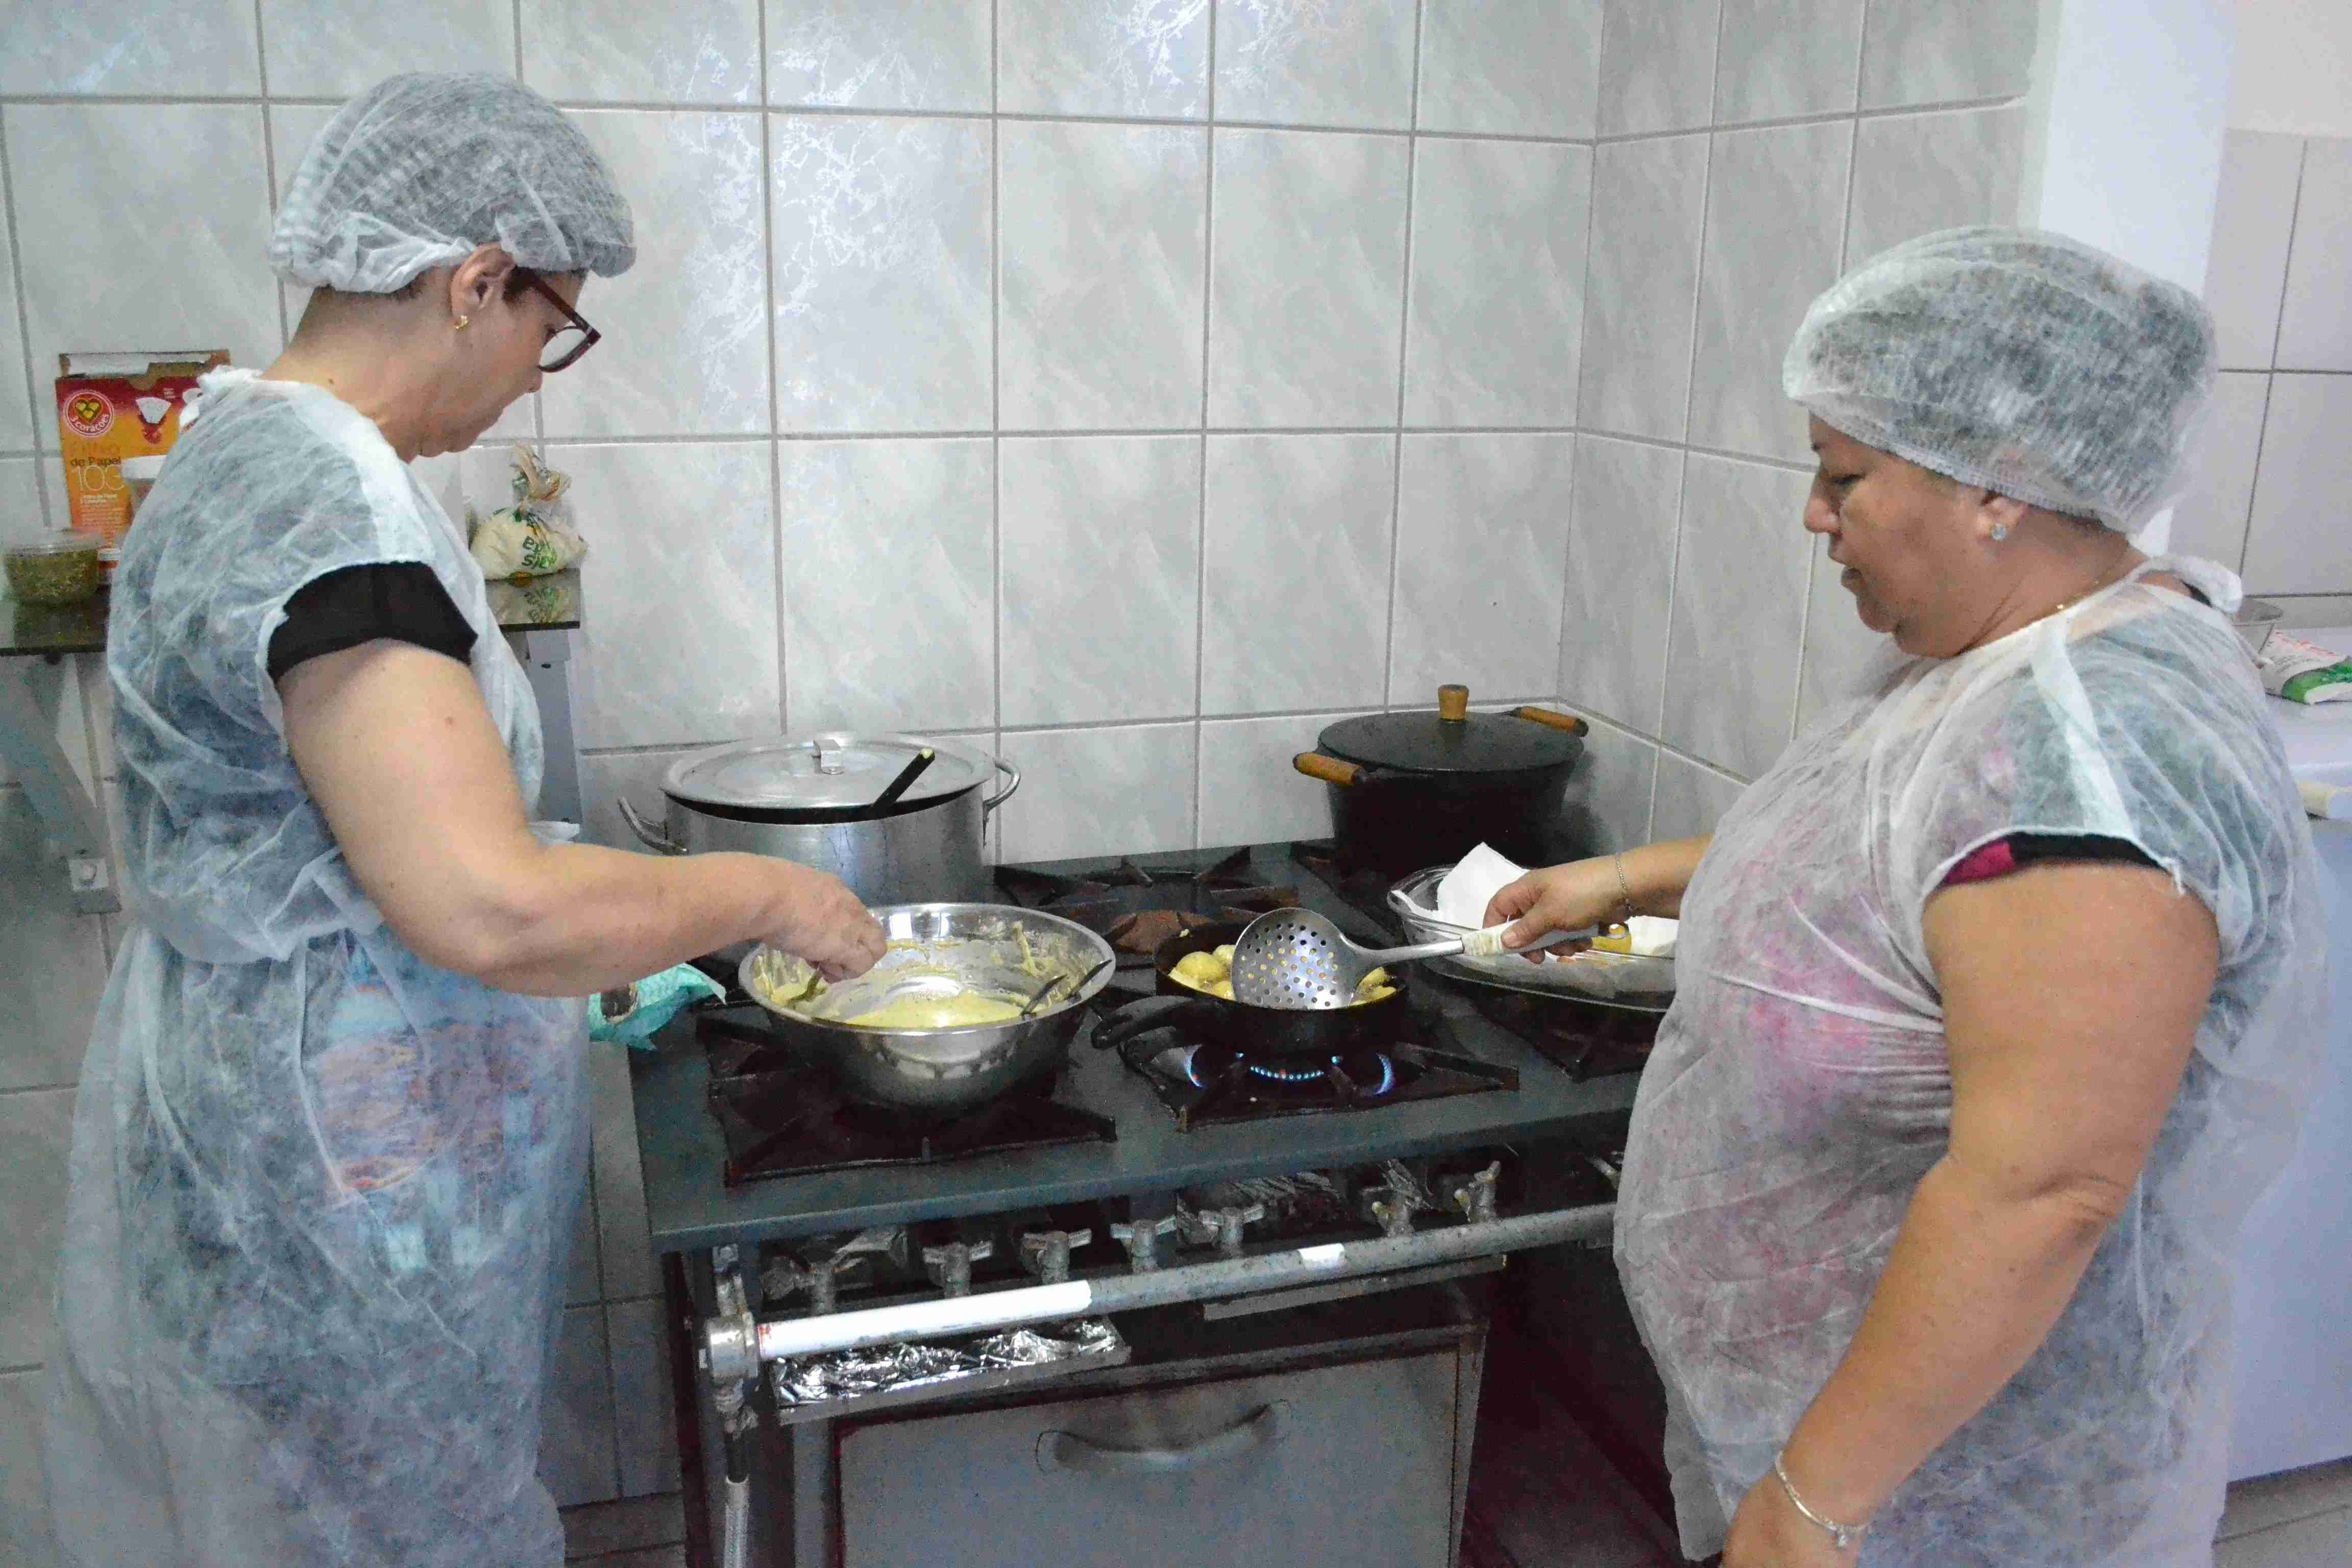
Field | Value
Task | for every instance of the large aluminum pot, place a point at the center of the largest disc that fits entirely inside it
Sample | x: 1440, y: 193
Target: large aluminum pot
x: 993, y: 949
x: 812, y: 801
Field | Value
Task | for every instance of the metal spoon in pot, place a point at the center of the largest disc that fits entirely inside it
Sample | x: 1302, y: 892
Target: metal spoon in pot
x: 1083, y: 980
x: 1297, y: 959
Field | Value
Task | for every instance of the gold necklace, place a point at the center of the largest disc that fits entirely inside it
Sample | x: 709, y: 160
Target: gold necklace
x: 2107, y: 580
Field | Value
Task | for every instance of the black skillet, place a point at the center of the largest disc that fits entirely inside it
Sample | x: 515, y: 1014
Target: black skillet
x: 1260, y: 1031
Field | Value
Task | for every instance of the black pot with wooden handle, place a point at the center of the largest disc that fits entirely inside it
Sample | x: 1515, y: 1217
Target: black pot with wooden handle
x: 1420, y: 788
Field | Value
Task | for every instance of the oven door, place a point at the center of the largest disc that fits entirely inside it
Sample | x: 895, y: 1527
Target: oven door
x: 1354, y: 1464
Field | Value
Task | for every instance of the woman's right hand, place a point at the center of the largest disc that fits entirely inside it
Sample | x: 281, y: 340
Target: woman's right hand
x: 1557, y: 898
x: 827, y: 924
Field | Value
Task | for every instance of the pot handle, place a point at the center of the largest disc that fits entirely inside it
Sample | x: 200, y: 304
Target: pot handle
x: 644, y: 831
x: 1142, y: 1016
x: 1010, y: 772
x: 1569, y: 722
x: 1330, y: 769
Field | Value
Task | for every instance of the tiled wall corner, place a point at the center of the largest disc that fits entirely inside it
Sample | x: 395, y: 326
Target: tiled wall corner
x: 2269, y: 482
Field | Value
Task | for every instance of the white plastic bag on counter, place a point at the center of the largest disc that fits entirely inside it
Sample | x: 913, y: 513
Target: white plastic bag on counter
x: 534, y: 536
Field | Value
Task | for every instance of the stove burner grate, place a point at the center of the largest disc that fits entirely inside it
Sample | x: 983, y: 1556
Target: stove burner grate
x: 781, y: 1116
x: 1137, y: 906
x: 1205, y: 1085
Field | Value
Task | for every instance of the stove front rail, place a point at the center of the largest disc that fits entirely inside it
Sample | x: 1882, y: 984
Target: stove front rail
x: 736, y: 1343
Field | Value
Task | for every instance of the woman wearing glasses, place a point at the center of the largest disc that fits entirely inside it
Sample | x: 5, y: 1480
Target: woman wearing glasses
x: 331, y: 1136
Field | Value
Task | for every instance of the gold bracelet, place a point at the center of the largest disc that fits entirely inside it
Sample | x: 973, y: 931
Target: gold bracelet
x: 1847, y: 1536
x: 1624, y: 893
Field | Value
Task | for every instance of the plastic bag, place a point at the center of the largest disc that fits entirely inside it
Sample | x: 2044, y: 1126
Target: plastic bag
x: 534, y: 536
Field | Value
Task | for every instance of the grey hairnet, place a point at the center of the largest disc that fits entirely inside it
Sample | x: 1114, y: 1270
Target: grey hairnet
x: 2028, y: 363
x: 420, y: 170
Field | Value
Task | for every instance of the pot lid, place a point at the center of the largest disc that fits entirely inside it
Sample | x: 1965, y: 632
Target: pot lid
x: 1427, y: 741
x: 820, y: 772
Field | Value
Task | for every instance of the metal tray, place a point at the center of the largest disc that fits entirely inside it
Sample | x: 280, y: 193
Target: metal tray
x: 1608, y: 979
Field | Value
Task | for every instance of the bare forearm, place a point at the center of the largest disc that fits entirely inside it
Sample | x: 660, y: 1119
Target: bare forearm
x: 1657, y: 874
x: 581, y: 918
x: 1972, y: 1287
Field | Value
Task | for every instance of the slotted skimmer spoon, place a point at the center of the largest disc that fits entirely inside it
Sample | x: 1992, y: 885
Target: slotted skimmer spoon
x: 1297, y: 959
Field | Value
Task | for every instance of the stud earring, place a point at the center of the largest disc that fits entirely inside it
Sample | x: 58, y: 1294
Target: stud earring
x: 2000, y: 531
x: 459, y: 325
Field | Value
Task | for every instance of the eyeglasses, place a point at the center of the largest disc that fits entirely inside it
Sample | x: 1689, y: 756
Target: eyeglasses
x: 570, y: 341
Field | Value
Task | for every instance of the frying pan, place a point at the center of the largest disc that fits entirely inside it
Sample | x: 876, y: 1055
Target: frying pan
x: 1261, y: 1031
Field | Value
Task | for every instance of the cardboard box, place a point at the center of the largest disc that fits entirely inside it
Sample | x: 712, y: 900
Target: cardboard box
x: 116, y: 405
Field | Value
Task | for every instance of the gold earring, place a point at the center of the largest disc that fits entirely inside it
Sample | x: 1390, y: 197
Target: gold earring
x: 459, y: 325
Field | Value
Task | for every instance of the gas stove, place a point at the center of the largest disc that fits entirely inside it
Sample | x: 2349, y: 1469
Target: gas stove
x: 1206, y: 1085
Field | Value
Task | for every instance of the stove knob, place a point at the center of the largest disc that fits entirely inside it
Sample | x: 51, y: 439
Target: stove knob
x: 950, y: 1266
x: 1142, y: 1242
x: 1390, y: 1209
x: 1222, y: 1227
x: 1474, y: 1196
x: 1047, y: 1253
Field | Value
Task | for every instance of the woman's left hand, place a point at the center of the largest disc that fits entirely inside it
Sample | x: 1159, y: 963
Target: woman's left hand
x: 1768, y: 1532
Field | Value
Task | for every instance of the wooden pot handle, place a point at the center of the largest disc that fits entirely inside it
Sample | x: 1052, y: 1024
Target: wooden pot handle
x: 1565, y: 721
x: 1330, y: 769
x: 1453, y: 704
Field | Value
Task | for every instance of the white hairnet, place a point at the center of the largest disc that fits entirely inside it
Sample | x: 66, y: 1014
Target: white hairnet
x: 420, y: 170
x: 2028, y: 363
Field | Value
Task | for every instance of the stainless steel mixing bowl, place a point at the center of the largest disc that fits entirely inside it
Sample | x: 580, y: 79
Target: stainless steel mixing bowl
x: 937, y: 949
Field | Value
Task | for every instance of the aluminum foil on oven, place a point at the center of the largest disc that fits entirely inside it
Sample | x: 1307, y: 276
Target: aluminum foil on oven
x: 832, y: 1376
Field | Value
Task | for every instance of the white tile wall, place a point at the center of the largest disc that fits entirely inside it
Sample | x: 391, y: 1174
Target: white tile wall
x: 1739, y: 614
x: 1380, y: 379
x: 183, y: 48
x: 1132, y: 58
x: 2297, y: 540
x: 2316, y: 331
x: 1914, y: 174
x: 335, y: 49
x: 1783, y: 59
x: 1657, y: 64
x: 1640, y: 298
x: 1482, y: 558
x: 1691, y: 797
x: 1933, y: 51
x: 1621, y: 570
x: 1091, y: 792
x: 1307, y: 284
x: 2210, y: 519
x: 889, y: 581
x: 881, y: 233
x: 1776, y: 200
x: 1079, y: 514
x: 152, y: 232
x: 643, y: 51
x: 686, y: 344
x: 880, y: 54
x: 1514, y: 67
x: 1297, y: 538
x: 1497, y: 288
x: 2270, y: 484
x: 1613, y: 786
x: 1302, y: 62
x: 1249, y: 791
x: 2246, y: 279
x: 1103, y: 275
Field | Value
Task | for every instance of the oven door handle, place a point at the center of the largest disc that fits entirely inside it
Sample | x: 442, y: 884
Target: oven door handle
x: 1068, y: 1451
